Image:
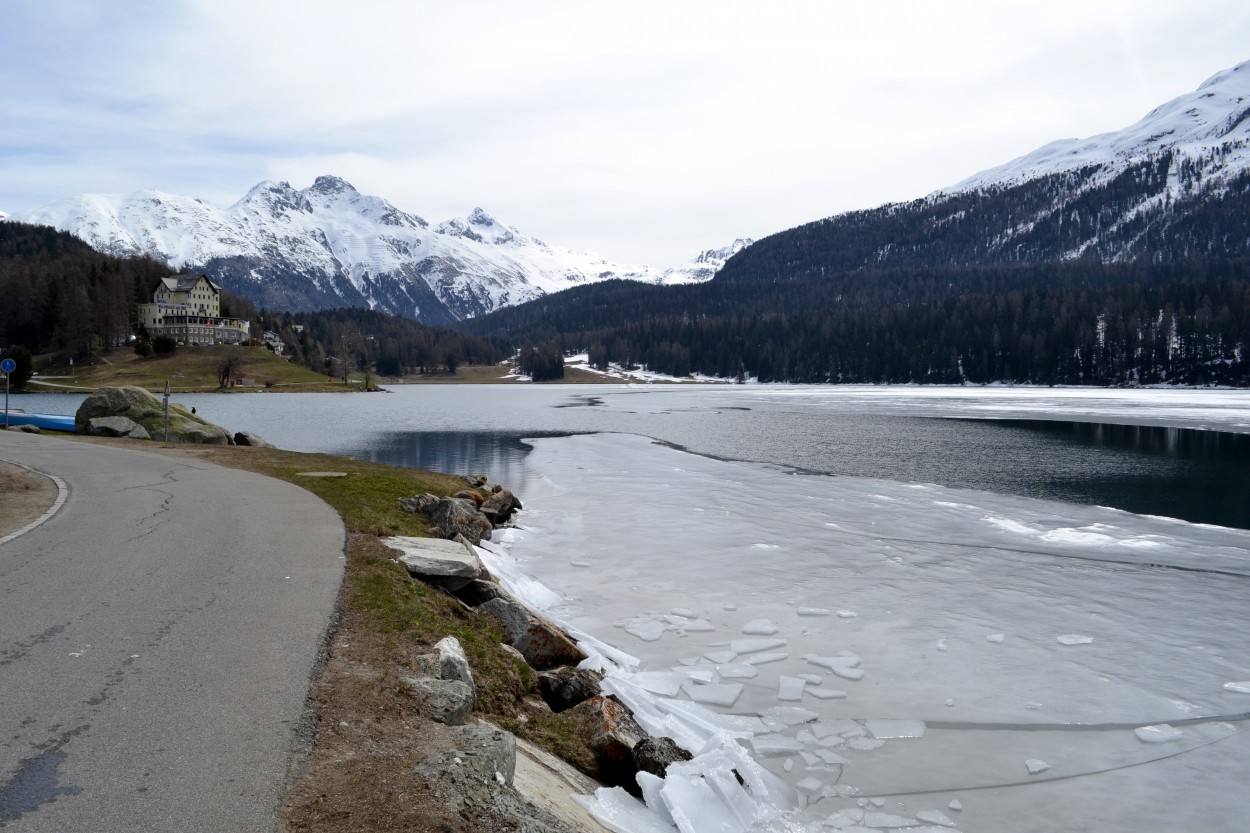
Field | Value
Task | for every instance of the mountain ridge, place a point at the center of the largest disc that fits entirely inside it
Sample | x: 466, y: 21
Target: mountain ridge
x: 329, y: 245
x: 1173, y: 185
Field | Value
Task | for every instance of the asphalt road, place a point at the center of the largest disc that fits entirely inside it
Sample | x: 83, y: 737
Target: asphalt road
x: 157, y: 640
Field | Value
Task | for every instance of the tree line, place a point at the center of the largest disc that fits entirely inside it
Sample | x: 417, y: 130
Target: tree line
x: 60, y: 296
x: 1084, y: 323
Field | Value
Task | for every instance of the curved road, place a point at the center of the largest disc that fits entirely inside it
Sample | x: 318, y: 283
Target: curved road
x: 157, y: 640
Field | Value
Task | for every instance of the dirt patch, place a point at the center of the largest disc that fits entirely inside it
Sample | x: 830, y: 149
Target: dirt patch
x: 24, y: 496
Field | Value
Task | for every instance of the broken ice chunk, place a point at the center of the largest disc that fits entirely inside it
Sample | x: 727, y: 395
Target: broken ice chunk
x: 1074, y: 639
x: 616, y: 809
x: 771, y: 746
x: 785, y: 716
x: 1242, y: 687
x: 886, y: 821
x: 826, y: 693
x: 840, y: 661
x: 813, y: 611
x: 812, y: 679
x: 853, y: 674
x: 896, y: 728
x: 737, y: 671
x: 686, y: 612
x: 694, y: 625
x: 935, y: 817
x: 843, y: 819
x: 646, y: 631
x: 847, y: 614
x: 651, y: 786
x: 1036, y: 766
x: 750, y: 646
x: 790, y: 688
x: 1159, y: 733
x: 694, y: 805
x: 995, y: 638
x: 788, y: 765
x: 810, y: 785
x: 830, y: 757
x: 660, y: 682
x: 865, y: 744
x: 763, y: 659
x: 955, y: 805
x: 729, y: 606
x: 759, y: 627
x: 717, y: 694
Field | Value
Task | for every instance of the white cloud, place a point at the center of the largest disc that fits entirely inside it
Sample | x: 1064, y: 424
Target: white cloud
x: 646, y: 130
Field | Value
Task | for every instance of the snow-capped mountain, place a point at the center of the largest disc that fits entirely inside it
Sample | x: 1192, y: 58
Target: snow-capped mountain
x: 1210, y: 127
x: 1174, y: 185
x: 328, y: 245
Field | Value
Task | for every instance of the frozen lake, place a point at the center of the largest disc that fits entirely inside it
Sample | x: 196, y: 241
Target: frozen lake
x: 910, y: 617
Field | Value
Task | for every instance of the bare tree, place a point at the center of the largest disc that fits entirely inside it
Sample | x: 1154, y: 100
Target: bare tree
x: 226, y: 368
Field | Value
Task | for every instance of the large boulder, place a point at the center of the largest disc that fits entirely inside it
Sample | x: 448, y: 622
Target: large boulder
x: 116, y: 426
x: 453, y: 664
x: 446, y: 701
x: 543, y: 645
x: 565, y: 687
x: 248, y: 438
x: 147, y: 410
x: 447, y: 564
x: 654, y: 755
x: 500, y: 507
x: 459, y: 516
x: 613, y: 734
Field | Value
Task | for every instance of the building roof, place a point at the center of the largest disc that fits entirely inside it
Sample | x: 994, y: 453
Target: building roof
x: 185, y: 283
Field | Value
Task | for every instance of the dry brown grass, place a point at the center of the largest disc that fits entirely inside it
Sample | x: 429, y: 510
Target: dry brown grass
x: 24, y: 496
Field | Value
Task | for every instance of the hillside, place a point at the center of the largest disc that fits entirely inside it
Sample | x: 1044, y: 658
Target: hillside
x: 67, y: 301
x: 1120, y: 259
x: 1173, y: 186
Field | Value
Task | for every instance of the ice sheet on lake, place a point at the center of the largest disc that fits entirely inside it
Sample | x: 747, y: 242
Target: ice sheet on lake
x: 921, y: 569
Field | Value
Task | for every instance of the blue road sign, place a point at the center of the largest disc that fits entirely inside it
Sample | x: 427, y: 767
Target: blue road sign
x: 8, y: 365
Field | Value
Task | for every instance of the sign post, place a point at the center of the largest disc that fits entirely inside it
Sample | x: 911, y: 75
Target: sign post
x: 166, y: 397
x: 8, y: 366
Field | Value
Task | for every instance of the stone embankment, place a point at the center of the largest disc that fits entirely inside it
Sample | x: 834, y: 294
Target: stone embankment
x: 619, y: 746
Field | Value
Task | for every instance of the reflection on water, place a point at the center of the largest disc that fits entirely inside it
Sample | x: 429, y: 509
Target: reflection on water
x: 498, y: 454
x: 1199, y: 476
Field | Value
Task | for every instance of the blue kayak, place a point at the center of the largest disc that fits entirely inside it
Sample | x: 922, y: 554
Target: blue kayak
x: 45, y: 422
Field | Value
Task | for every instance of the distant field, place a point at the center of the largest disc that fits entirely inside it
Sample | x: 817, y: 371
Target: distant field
x: 189, y: 369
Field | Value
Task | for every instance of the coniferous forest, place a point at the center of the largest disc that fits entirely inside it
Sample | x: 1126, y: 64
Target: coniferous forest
x: 1075, y: 323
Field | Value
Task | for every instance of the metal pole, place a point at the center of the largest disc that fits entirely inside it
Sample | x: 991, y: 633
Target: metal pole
x: 166, y: 410
x: 6, y: 401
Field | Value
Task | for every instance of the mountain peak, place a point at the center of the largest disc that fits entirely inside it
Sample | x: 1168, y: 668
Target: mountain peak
x: 1225, y: 75
x: 329, y: 184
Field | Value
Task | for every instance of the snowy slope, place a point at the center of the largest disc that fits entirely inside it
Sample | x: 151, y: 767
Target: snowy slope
x: 330, y: 245
x: 1212, y: 121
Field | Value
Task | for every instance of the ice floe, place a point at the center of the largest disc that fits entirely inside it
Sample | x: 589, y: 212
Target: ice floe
x: 1159, y: 733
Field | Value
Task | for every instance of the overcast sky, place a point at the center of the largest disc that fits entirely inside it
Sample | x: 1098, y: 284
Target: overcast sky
x: 645, y: 131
